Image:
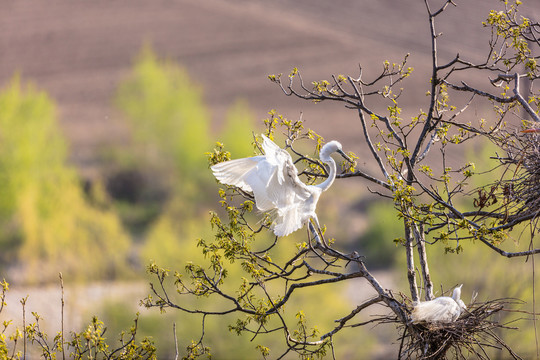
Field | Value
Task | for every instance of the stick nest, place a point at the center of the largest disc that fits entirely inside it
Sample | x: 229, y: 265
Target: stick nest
x: 471, y: 336
x: 521, y: 186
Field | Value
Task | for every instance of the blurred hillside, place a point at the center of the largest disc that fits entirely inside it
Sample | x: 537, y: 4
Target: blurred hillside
x: 79, y: 52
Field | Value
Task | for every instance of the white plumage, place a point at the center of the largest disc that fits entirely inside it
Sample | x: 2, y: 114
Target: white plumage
x: 442, y: 309
x: 273, y: 180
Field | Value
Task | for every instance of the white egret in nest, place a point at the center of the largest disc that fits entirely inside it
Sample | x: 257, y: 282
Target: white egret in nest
x: 273, y: 180
x: 442, y: 309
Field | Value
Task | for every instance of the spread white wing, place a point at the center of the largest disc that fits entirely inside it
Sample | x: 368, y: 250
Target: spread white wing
x: 234, y: 172
x: 273, y: 180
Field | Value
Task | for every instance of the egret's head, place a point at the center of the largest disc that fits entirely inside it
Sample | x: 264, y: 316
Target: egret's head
x: 332, y: 147
x: 456, y: 295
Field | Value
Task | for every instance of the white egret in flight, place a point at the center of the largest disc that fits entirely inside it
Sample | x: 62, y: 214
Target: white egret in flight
x: 273, y: 180
x: 442, y: 309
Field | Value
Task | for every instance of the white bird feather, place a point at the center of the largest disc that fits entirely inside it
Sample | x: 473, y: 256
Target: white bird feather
x: 442, y: 309
x: 273, y: 180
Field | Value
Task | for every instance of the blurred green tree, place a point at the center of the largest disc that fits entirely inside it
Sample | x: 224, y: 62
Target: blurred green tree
x: 377, y: 242
x: 48, y: 225
x: 169, y: 120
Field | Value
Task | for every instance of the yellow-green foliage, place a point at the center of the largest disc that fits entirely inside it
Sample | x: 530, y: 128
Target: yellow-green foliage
x: 174, y: 245
x: 46, y: 222
x: 92, y: 342
x: 238, y: 130
x: 167, y: 114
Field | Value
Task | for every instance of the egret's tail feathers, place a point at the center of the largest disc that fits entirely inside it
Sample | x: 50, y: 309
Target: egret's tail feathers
x: 287, y: 221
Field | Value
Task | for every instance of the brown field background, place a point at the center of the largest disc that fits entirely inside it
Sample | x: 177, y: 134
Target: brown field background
x: 79, y: 52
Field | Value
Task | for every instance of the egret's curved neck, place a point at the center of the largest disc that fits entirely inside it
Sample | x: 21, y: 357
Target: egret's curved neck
x: 456, y: 294
x: 331, y: 174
